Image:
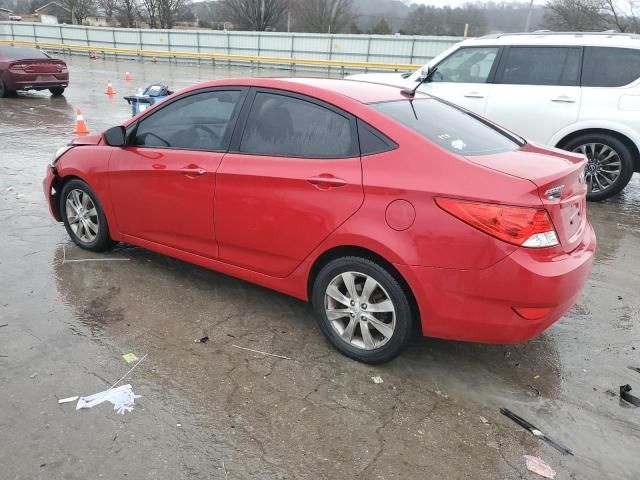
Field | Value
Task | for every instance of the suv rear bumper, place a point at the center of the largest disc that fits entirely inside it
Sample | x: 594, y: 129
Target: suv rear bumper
x: 478, y: 305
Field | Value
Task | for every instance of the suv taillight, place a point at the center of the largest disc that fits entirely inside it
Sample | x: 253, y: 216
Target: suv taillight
x: 523, y: 226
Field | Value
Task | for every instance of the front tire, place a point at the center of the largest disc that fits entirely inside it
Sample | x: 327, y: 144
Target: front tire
x: 362, y: 309
x: 83, y: 217
x: 609, y: 163
x: 56, y: 91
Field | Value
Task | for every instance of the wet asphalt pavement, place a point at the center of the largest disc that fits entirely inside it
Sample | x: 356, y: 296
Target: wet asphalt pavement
x: 212, y: 411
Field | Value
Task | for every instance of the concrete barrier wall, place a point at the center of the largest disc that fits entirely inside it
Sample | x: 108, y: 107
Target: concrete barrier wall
x: 376, y: 49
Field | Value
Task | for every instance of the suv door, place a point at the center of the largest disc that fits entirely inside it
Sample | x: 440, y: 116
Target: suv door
x: 464, y: 77
x: 536, y: 91
x: 162, y: 185
x: 292, y: 176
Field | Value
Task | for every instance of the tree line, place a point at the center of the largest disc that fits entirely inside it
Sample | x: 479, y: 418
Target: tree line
x: 353, y: 16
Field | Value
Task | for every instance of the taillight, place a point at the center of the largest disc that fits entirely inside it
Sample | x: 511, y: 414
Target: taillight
x: 526, y: 227
x: 18, y: 66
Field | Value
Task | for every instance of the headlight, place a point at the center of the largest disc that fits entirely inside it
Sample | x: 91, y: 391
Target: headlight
x: 61, y: 151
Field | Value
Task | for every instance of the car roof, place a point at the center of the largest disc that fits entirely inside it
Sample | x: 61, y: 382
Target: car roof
x: 19, y: 52
x: 543, y: 37
x: 363, y: 92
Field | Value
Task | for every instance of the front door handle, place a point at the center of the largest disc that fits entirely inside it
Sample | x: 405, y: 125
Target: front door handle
x: 325, y: 182
x: 192, y: 171
x: 473, y: 95
x: 563, y: 99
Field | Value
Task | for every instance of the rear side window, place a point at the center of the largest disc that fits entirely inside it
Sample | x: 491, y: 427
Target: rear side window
x: 372, y: 141
x: 21, y: 53
x: 195, y: 122
x: 610, y: 67
x: 448, y: 127
x: 540, y: 66
x: 281, y: 125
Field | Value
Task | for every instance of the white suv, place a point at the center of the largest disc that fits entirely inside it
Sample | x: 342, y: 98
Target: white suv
x: 575, y: 91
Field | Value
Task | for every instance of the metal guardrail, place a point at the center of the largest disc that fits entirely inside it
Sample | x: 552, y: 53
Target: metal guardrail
x: 215, y: 56
x: 368, y: 52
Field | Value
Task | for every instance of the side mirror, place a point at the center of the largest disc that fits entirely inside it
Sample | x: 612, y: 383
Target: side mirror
x: 424, y: 73
x: 116, y: 136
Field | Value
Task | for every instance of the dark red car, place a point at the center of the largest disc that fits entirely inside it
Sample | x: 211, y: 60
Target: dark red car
x: 28, y: 68
x: 385, y: 211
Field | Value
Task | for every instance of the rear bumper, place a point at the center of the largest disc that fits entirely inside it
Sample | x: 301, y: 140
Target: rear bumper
x: 477, y: 305
x: 42, y: 81
x: 47, y: 185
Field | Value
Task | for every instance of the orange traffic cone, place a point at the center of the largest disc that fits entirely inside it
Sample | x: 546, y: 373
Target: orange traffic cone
x: 127, y: 76
x: 81, y: 125
x: 110, y: 90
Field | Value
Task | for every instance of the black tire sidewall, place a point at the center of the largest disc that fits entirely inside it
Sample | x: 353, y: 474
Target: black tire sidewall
x: 57, y: 91
x: 404, y: 316
x: 623, y: 151
x: 102, y: 241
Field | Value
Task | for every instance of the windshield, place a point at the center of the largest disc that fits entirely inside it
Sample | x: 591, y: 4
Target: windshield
x: 449, y: 127
x: 20, y: 53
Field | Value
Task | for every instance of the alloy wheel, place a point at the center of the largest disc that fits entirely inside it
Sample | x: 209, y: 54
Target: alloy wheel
x: 360, y: 310
x: 603, y: 168
x: 82, y: 215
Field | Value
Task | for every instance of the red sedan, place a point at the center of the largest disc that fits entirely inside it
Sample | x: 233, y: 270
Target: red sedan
x: 27, y: 68
x: 383, y: 210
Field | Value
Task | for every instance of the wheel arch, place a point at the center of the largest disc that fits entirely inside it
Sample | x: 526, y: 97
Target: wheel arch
x: 358, y: 251
x: 633, y: 147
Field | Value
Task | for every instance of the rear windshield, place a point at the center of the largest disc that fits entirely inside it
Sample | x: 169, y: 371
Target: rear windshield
x: 450, y: 128
x: 20, y: 53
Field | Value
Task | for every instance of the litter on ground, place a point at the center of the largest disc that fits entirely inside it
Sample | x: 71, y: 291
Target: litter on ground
x: 377, y: 379
x: 121, y: 397
x: 130, y: 357
x: 537, y: 465
x: 261, y: 353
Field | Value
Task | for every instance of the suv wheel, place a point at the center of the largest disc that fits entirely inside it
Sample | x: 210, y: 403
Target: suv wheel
x: 362, y: 309
x: 56, y: 91
x: 83, y: 217
x: 609, y: 163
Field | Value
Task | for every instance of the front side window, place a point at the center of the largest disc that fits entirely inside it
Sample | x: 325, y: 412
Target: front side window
x: 467, y: 65
x: 610, y: 67
x: 540, y: 66
x: 450, y: 128
x: 285, y: 126
x: 196, y: 122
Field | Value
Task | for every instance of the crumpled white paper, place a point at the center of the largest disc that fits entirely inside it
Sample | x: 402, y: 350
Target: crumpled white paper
x: 121, y: 397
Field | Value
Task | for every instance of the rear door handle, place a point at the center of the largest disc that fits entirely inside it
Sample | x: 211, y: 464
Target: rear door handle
x: 473, y: 95
x: 193, y: 171
x: 326, y: 182
x: 563, y: 99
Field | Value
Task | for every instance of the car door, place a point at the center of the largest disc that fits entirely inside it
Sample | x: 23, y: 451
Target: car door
x: 464, y: 77
x: 162, y: 185
x: 291, y: 177
x: 536, y: 91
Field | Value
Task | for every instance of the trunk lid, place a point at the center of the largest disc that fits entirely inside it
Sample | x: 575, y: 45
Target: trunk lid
x: 38, y: 65
x: 559, y: 178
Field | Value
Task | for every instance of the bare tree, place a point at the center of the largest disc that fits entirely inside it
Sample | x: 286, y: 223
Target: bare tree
x: 621, y: 15
x: 324, y: 16
x: 109, y: 8
x: 575, y: 15
x: 254, y: 14
x: 127, y: 13
x: 150, y: 9
x: 167, y: 12
x: 80, y: 9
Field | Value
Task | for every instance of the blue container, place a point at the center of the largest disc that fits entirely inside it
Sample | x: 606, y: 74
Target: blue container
x: 147, y: 97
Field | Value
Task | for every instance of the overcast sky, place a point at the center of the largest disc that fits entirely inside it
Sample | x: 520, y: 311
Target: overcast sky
x: 455, y: 3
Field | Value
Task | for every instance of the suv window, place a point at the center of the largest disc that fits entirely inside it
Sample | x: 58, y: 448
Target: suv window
x: 540, y: 66
x: 467, y: 65
x: 287, y: 126
x: 610, y: 67
x: 195, y: 122
x: 449, y: 127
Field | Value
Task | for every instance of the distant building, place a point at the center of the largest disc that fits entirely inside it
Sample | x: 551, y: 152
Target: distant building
x: 98, y: 19
x: 53, y: 12
x: 5, y: 13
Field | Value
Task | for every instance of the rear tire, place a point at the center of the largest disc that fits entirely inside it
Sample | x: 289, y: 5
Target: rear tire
x: 362, y: 309
x: 83, y: 217
x: 598, y: 147
x: 56, y: 91
x: 4, y: 91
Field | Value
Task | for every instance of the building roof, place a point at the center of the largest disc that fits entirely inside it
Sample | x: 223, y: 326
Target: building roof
x: 52, y: 5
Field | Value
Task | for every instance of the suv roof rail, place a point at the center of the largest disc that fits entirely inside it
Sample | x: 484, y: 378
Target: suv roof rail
x: 607, y: 33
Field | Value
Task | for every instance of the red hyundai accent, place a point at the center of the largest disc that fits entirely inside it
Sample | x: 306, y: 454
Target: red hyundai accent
x: 27, y: 68
x: 381, y: 209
